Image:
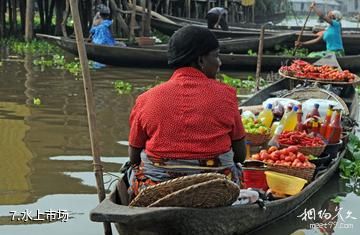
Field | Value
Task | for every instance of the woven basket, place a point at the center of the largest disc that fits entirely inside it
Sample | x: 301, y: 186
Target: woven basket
x: 154, y: 193
x: 305, y: 173
x: 209, y: 194
x: 307, y: 150
x: 257, y: 139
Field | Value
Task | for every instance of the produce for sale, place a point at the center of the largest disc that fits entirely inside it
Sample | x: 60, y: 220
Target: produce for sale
x: 300, y: 138
x: 289, y: 156
x: 303, y: 69
x: 255, y: 126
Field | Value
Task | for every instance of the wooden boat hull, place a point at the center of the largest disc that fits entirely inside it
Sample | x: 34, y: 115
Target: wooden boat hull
x: 238, y: 219
x: 351, y: 39
x: 243, y: 45
x: 148, y: 57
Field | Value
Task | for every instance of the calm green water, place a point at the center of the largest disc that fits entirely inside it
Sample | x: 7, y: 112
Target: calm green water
x: 45, y: 161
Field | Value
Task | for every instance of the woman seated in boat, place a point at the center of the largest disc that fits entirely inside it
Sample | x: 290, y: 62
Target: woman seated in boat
x: 189, y: 124
x: 100, y: 32
x: 216, y: 17
x: 331, y: 36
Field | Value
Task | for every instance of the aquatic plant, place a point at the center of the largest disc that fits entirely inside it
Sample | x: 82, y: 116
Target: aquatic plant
x: 36, y: 101
x: 350, y: 165
x: 59, y: 62
x: 248, y: 83
x: 122, y: 87
x: 35, y: 47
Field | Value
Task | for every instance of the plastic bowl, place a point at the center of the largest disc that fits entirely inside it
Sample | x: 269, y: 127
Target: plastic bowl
x: 284, y: 184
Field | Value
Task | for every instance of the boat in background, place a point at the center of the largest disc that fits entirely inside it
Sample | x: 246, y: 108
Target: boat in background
x: 153, y: 57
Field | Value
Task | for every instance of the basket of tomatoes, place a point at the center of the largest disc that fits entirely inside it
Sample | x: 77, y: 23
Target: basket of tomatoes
x: 307, y: 144
x: 288, y: 161
x: 300, y: 69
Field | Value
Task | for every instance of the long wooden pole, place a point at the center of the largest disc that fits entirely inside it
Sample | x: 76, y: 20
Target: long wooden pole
x: 302, y: 30
x: 90, y: 106
x: 259, y: 58
x: 29, y: 20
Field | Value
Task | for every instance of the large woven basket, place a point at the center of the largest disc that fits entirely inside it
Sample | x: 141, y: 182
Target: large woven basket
x: 257, y: 139
x: 305, y: 173
x: 213, y: 193
x: 200, y: 190
x: 307, y: 150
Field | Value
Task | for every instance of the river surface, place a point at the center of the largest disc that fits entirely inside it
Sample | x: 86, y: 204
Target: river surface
x: 45, y: 156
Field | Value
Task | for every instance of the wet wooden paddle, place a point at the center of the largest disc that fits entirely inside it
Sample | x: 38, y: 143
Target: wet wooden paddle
x: 302, y: 30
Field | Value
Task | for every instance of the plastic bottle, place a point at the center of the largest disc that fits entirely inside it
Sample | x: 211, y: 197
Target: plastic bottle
x: 334, y: 130
x: 266, y: 116
x: 299, y: 124
x: 327, y: 121
x: 248, y: 152
x: 274, y: 140
x: 314, y: 112
x: 291, y: 120
x: 273, y: 128
x: 315, y: 126
x: 286, y: 113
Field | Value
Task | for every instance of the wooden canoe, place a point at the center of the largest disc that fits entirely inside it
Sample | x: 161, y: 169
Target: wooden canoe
x: 150, y: 57
x: 238, y: 219
x: 351, y: 39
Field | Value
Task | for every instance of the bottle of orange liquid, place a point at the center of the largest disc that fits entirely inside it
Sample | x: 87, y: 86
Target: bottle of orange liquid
x: 266, y: 116
x: 327, y: 121
x: 291, y: 120
x: 334, y: 130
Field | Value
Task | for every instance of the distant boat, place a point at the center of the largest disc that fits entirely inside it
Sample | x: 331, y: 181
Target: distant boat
x: 152, y: 57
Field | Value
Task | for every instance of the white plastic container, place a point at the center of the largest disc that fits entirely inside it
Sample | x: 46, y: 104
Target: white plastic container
x: 308, y: 106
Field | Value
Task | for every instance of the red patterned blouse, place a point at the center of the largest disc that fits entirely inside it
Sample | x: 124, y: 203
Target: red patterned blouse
x: 188, y: 117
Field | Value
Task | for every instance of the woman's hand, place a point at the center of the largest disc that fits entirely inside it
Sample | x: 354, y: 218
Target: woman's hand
x: 298, y: 44
x: 312, y: 6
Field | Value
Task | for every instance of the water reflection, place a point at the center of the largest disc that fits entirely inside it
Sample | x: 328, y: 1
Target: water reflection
x: 321, y: 214
x: 45, y: 150
x: 15, y: 187
x: 34, y: 137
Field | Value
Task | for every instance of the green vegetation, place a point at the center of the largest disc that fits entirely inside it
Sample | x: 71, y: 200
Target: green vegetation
x: 251, y: 52
x: 35, y: 47
x: 37, y: 101
x: 280, y: 50
x: 337, y: 199
x: 239, y: 84
x: 46, y: 55
x: 58, y: 61
x: 164, y: 38
x: 122, y: 87
x: 350, y: 165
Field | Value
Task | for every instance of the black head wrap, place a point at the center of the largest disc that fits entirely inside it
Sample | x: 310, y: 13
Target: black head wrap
x: 188, y: 43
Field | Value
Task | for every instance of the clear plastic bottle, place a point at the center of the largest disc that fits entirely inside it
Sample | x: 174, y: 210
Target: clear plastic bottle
x: 274, y: 140
x: 286, y: 113
x: 266, y: 116
x: 291, y: 120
